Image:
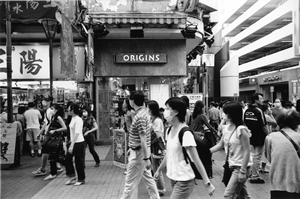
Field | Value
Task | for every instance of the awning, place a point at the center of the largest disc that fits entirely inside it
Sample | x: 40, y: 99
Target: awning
x: 139, y: 18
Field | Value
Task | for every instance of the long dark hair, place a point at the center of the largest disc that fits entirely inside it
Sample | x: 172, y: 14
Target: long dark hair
x: 60, y: 111
x: 154, y: 108
x: 234, y: 110
x: 198, y: 109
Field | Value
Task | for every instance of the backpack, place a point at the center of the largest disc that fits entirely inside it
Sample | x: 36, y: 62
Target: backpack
x: 204, y: 153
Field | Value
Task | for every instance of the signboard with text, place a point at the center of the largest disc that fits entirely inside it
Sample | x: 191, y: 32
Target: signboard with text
x: 120, y: 148
x: 193, y: 98
x: 8, y: 133
x: 159, y: 58
x: 28, y: 62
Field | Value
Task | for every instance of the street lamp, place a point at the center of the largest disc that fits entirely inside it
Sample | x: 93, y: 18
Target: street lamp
x: 50, y: 28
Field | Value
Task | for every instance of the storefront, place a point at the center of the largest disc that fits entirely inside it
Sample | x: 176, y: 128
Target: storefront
x: 147, y: 65
x: 284, y: 84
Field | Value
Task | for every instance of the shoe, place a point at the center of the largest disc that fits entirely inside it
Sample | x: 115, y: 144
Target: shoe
x: 257, y: 181
x: 97, y: 164
x: 59, y: 170
x: 50, y: 177
x: 32, y: 154
x: 39, y: 172
x: 78, y: 183
x: 71, y: 181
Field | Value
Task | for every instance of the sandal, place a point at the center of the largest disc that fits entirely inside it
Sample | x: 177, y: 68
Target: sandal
x: 71, y: 181
x: 79, y: 183
x: 39, y: 172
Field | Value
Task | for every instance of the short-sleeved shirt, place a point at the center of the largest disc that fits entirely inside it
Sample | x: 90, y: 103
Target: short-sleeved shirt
x: 32, y: 117
x: 236, y: 151
x: 76, y: 125
x: 88, y: 123
x: 177, y: 168
x: 158, y: 127
x: 141, y: 124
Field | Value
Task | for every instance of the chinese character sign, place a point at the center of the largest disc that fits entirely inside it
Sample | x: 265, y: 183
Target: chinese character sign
x: 28, y: 62
x: 8, y: 134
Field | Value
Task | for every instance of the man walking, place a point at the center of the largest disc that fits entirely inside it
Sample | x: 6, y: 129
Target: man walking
x: 255, y: 120
x: 32, y: 117
x: 214, y: 116
x: 139, y: 165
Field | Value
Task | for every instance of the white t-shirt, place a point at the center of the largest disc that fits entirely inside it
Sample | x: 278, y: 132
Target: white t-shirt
x: 158, y: 127
x: 236, y: 151
x: 32, y: 117
x: 177, y: 168
x: 76, y: 126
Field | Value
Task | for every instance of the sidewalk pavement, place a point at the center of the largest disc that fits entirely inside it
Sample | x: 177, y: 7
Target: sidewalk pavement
x: 104, y: 182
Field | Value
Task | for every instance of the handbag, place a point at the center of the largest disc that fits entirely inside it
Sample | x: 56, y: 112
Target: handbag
x: 292, y: 141
x: 52, y: 141
x: 157, y: 145
x: 227, y: 171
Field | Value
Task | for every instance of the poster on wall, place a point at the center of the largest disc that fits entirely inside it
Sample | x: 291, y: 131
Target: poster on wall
x: 160, y: 93
x: 120, y: 148
x: 8, y: 133
x: 28, y: 62
x: 193, y: 98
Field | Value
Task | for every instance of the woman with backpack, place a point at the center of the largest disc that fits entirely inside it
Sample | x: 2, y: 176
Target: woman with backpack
x: 178, y: 170
x: 236, y: 141
x: 157, y: 151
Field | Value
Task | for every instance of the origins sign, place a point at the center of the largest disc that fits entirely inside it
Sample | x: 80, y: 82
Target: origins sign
x: 273, y: 78
x: 153, y: 58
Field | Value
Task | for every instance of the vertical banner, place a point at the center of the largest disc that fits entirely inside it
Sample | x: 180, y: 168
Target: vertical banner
x: 8, y: 133
x: 120, y: 148
x: 67, y: 48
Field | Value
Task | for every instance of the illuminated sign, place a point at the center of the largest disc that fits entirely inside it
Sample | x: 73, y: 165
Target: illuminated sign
x: 159, y: 58
x: 273, y: 78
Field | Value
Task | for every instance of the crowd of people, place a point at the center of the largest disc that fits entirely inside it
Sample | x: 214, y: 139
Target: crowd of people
x: 254, y: 135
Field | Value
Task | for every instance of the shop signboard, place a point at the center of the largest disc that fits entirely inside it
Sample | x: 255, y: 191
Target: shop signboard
x: 120, y: 148
x: 8, y: 133
x: 194, y: 97
x: 158, y: 58
x: 28, y: 62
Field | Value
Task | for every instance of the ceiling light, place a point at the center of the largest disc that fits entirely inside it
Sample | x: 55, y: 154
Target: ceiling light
x: 189, y: 31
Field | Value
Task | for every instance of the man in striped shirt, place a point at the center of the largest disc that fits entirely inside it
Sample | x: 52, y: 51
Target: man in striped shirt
x: 139, y: 165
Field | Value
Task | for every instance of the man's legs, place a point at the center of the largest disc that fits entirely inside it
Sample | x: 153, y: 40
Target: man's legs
x: 150, y: 184
x: 257, y: 156
x: 160, y: 182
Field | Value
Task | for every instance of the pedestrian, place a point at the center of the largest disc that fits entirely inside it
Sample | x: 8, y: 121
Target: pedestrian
x: 56, y: 128
x: 32, y: 117
x: 21, y: 118
x: 255, y: 120
x: 188, y: 116
x: 278, y: 111
x: 75, y: 148
x: 214, y: 116
x: 157, y: 153
x: 284, y: 160
x: 235, y: 140
x: 181, y: 174
x: 139, y: 165
x: 89, y: 128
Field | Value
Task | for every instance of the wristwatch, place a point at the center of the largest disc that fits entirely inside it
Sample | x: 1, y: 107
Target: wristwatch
x: 207, y: 184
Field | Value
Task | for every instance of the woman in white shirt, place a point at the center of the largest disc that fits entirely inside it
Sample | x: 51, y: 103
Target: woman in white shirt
x: 236, y: 141
x: 76, y: 148
x: 157, y: 133
x: 181, y: 173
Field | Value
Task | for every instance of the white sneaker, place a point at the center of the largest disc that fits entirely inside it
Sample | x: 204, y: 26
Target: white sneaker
x: 50, y: 177
x: 59, y: 170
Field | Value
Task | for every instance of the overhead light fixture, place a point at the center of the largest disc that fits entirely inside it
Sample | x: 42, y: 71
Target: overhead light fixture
x: 208, y: 36
x: 199, y: 49
x: 189, y: 31
x: 286, y: 41
x: 137, y: 31
x: 100, y: 31
x: 287, y: 19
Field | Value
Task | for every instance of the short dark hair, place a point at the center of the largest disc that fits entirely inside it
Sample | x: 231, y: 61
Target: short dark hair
x: 75, y: 108
x: 154, y: 108
x: 31, y: 104
x: 198, y: 109
x: 21, y: 109
x: 264, y: 107
x: 255, y: 97
x: 234, y: 110
x: 178, y: 105
x: 186, y: 100
x: 291, y: 120
x: 138, y: 98
x: 87, y: 109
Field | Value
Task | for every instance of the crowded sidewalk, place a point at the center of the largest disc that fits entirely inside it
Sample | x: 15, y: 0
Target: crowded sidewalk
x: 104, y: 182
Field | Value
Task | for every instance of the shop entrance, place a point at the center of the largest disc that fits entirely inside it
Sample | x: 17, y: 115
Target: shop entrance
x: 281, y: 91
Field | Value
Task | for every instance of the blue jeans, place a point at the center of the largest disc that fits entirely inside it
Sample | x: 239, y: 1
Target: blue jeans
x: 136, y: 171
x: 182, y: 189
x: 235, y: 188
x: 257, y: 153
x: 160, y: 182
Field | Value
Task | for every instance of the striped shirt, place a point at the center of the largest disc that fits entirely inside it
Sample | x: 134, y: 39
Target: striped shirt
x: 141, y: 125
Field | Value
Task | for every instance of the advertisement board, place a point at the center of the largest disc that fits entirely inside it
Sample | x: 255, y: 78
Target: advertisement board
x: 193, y: 97
x: 120, y: 148
x: 8, y: 133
